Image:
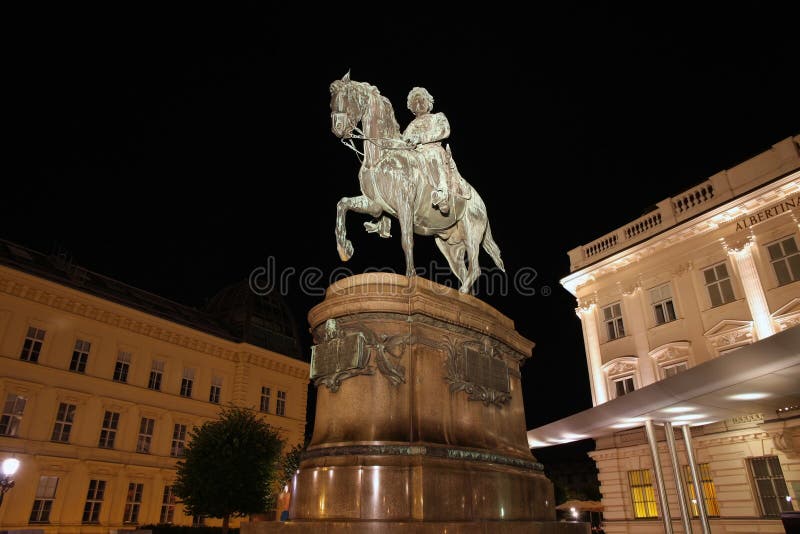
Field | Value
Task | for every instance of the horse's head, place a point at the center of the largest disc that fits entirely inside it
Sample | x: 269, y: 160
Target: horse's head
x: 348, y: 104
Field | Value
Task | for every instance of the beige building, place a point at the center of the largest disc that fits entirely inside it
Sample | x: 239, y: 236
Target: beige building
x: 102, y: 383
x: 703, y: 274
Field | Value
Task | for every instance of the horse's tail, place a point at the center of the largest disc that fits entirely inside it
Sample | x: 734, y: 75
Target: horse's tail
x: 491, y: 247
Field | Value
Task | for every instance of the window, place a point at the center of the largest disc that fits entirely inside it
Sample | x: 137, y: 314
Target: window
x: 642, y: 494
x: 43, y: 503
x: 709, y: 491
x: 187, y: 382
x: 109, y: 431
x: 265, y: 392
x: 624, y: 385
x: 674, y: 369
x: 122, y: 366
x: 661, y: 299
x: 771, y: 486
x: 80, y: 355
x: 167, y: 515
x: 178, y: 440
x: 64, y: 419
x: 280, y: 403
x: 94, y: 499
x: 216, y: 389
x: 145, y: 435
x: 12, y: 415
x: 718, y: 284
x: 133, y: 502
x: 32, y: 345
x: 612, y: 315
x: 156, y: 371
x: 785, y: 259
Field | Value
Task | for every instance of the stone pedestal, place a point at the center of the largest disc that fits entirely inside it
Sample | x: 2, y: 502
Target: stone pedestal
x: 420, y: 425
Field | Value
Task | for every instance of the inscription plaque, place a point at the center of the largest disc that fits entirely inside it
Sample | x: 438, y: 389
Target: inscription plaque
x: 337, y: 355
x: 483, y: 370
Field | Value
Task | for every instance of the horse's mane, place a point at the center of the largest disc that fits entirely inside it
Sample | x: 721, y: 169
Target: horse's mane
x: 394, y: 128
x: 388, y: 109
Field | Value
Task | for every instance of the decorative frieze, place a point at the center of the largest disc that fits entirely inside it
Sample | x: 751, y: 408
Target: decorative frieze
x: 671, y: 352
x: 787, y: 315
x: 620, y: 366
x: 729, y: 333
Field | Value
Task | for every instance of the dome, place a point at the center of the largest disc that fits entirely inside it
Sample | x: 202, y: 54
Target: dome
x: 262, y: 320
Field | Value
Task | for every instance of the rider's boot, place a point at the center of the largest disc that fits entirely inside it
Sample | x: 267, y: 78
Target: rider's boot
x: 439, y: 199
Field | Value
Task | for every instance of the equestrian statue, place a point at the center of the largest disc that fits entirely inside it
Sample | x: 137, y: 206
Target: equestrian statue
x: 409, y: 176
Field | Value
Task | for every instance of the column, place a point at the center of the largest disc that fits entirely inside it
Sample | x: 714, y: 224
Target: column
x: 660, y: 487
x: 698, y: 484
x: 686, y: 517
x: 753, y: 291
x: 594, y: 360
x: 636, y: 326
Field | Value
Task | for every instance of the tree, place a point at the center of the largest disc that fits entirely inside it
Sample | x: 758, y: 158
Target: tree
x: 227, y: 466
x: 285, y: 469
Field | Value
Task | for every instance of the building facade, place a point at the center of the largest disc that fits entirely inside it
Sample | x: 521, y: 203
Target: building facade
x: 102, y: 383
x: 710, y: 270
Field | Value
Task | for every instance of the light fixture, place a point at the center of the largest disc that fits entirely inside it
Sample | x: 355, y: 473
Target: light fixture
x: 678, y: 409
x: 9, y: 467
x: 688, y: 417
x: 748, y: 396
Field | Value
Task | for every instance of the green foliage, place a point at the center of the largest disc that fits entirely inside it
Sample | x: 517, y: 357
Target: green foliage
x: 227, y: 465
x: 290, y: 465
x: 287, y: 466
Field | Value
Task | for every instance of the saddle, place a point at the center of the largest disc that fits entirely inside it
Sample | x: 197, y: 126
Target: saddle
x: 428, y: 220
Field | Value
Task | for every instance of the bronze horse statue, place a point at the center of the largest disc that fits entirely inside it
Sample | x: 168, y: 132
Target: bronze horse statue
x: 393, y: 181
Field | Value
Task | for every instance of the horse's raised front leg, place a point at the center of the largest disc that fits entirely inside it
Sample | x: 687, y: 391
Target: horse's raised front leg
x: 360, y: 204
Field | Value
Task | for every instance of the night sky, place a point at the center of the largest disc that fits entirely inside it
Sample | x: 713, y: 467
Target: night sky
x: 177, y: 150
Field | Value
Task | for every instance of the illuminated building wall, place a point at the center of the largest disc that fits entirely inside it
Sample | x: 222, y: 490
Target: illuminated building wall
x: 702, y: 273
x: 101, y: 384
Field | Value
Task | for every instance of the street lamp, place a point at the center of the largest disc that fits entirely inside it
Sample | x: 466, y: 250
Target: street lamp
x: 10, y: 466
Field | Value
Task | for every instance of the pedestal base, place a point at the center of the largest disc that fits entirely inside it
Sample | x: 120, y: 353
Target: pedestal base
x: 416, y: 527
x: 420, y: 425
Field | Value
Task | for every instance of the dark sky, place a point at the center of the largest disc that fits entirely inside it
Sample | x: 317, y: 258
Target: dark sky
x: 179, y: 148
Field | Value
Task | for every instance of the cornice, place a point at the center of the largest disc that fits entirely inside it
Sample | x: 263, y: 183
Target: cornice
x: 166, y: 333
x: 720, y: 216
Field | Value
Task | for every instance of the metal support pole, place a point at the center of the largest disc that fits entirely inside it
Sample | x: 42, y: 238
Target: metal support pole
x: 662, y: 490
x: 686, y: 517
x: 698, y: 484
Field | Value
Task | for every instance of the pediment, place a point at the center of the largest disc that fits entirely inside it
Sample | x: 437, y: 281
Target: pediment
x: 728, y: 325
x: 790, y: 308
x: 621, y: 365
x: 676, y: 350
x: 729, y: 333
x: 788, y: 315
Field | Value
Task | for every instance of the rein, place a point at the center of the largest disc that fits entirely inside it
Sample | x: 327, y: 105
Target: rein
x: 360, y: 135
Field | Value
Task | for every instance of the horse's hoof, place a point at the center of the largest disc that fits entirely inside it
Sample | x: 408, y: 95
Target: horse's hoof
x: 346, y: 251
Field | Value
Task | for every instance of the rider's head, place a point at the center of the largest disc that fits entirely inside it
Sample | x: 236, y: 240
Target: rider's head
x: 419, y: 101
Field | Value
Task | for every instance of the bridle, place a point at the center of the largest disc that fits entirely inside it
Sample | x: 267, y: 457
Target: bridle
x: 342, y: 120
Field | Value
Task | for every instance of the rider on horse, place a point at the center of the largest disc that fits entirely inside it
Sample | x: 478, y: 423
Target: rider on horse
x: 425, y: 133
